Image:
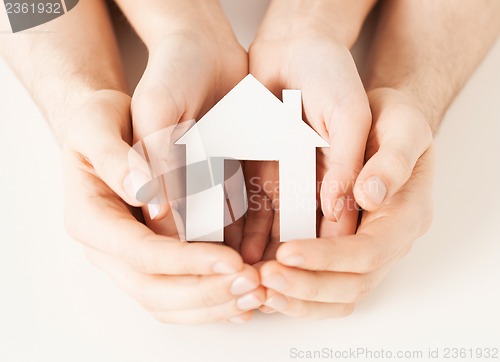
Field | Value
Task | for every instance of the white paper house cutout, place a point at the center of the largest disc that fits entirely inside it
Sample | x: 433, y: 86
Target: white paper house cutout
x: 250, y: 123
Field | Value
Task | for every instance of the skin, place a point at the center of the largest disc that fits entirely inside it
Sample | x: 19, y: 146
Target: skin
x: 416, y: 69
x: 326, y: 277
x: 179, y: 34
x: 303, y: 45
x: 86, y: 102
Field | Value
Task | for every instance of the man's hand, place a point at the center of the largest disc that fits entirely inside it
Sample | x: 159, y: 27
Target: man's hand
x: 177, y: 282
x: 326, y: 277
x: 415, y: 70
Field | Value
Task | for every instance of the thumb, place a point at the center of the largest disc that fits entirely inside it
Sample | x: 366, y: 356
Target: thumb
x: 98, y: 135
x: 402, y: 135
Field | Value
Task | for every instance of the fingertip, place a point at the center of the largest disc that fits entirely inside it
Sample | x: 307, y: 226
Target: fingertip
x: 268, y: 268
x: 139, y: 182
x: 326, y: 207
x: 227, y: 268
x: 223, y: 268
x: 333, y: 199
x: 327, y: 197
x: 370, y: 193
x: 214, y: 259
x: 276, y: 301
x: 233, y: 260
x: 289, y: 256
x: 132, y: 183
x: 158, y: 208
x: 375, y: 189
x: 251, y: 272
x: 267, y: 310
x: 258, y: 265
x: 361, y: 198
x: 154, y: 209
x: 338, y: 208
x: 251, y: 254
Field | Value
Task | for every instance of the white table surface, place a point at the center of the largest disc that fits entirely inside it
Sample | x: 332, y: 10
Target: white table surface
x: 54, y: 306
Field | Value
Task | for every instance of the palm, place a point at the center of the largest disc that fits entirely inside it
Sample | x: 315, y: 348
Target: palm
x: 187, y: 74
x: 335, y: 106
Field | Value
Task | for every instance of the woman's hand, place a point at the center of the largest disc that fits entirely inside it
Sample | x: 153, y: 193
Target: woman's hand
x: 299, y: 48
x: 326, y: 277
x: 188, y: 71
x: 177, y: 282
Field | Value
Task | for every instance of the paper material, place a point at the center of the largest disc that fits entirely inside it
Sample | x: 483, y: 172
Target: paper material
x: 250, y: 123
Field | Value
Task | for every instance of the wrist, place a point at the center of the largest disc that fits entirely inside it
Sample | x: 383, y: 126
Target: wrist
x: 431, y: 109
x: 62, y: 118
x: 339, y: 20
x: 163, y: 18
x: 404, y: 97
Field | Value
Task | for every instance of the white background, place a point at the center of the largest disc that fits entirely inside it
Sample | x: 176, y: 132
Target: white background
x: 55, y: 307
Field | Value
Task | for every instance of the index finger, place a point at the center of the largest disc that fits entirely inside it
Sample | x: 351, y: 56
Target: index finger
x: 360, y: 253
x: 381, y: 237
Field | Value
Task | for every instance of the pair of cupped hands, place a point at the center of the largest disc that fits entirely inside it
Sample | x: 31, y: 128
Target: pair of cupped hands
x: 380, y: 158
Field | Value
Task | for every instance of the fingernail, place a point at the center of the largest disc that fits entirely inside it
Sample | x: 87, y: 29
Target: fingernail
x: 223, y: 268
x: 242, y: 285
x: 325, y: 205
x: 154, y: 208
x: 339, y: 208
x: 134, y: 181
x: 237, y: 319
x: 277, y: 302
x: 276, y: 282
x: 248, y: 302
x: 293, y: 260
x: 375, y: 189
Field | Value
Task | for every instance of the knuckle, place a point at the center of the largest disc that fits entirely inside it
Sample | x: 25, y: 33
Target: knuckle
x: 371, y: 259
x: 312, y: 291
x: 107, y: 158
x: 328, y: 262
x: 210, y: 297
x: 301, y: 309
x: 141, y: 261
x: 186, y: 256
x: 328, y: 258
x: 398, y: 167
x: 144, y: 107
